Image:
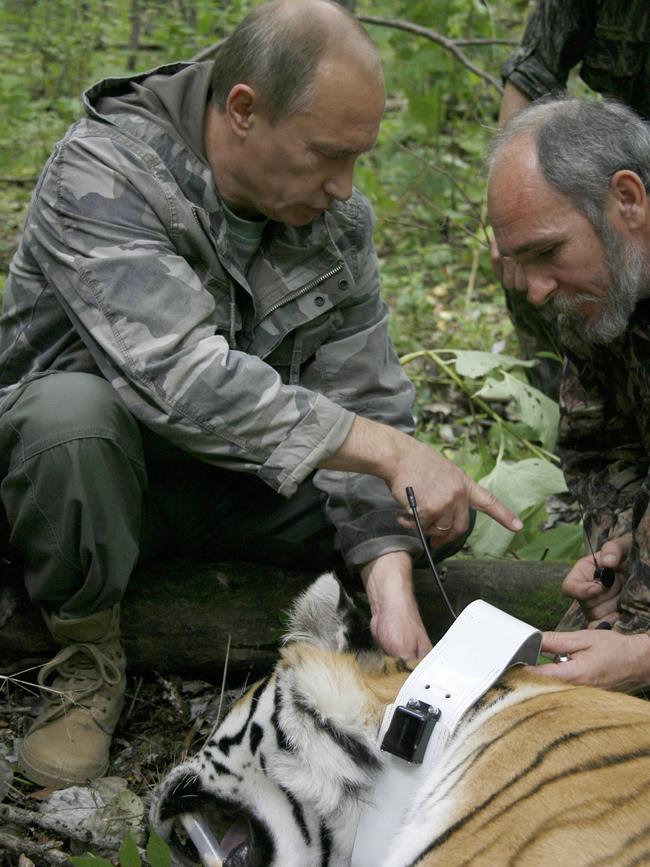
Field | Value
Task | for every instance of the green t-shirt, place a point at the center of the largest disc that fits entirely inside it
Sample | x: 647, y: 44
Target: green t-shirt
x: 246, y: 236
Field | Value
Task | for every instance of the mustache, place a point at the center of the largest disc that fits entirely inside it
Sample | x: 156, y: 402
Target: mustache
x: 570, y: 303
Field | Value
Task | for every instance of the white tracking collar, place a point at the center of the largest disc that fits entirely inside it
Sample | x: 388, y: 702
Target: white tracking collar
x: 479, y: 646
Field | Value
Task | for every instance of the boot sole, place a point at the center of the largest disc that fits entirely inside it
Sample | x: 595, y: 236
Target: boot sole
x: 44, y: 777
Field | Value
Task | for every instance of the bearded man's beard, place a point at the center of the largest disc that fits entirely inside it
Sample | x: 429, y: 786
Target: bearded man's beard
x: 627, y: 280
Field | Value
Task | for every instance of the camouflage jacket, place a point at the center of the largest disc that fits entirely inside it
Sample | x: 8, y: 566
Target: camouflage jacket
x: 605, y: 451
x: 126, y: 268
x: 609, y: 38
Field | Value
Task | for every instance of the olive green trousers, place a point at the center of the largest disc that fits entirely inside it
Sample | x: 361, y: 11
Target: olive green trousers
x: 88, y: 494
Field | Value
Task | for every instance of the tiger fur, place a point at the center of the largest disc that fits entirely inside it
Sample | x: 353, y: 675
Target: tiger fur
x: 538, y: 773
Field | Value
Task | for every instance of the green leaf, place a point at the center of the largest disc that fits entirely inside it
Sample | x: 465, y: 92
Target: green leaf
x: 533, y: 519
x: 563, y: 542
x: 474, y: 364
x: 533, y: 407
x: 473, y: 462
x: 158, y: 852
x: 519, y: 486
x: 129, y: 806
x: 129, y: 855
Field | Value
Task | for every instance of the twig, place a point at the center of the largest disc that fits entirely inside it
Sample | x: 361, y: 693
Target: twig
x: 473, y: 271
x: 449, y: 45
x: 143, y: 46
x: 42, y: 853
x: 31, y: 688
x: 136, y: 693
x: 217, y: 719
x: 448, y: 369
x: 189, y: 737
x: 31, y: 819
x: 471, y: 283
x: 223, y: 679
x: 134, y: 38
x: 4, y: 179
x: 479, y: 40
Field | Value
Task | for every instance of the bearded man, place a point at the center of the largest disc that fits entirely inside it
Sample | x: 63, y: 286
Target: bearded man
x: 609, y: 45
x: 568, y: 201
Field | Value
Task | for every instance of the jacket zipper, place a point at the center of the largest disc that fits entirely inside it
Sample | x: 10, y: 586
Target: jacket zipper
x: 307, y: 287
x: 302, y: 290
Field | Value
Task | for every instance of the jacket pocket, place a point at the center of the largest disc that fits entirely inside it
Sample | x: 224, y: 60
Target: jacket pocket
x: 299, y: 346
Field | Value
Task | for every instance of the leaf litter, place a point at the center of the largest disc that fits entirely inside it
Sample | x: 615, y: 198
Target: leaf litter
x: 165, y: 720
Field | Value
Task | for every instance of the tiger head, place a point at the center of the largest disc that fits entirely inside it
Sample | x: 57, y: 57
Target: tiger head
x: 282, y: 778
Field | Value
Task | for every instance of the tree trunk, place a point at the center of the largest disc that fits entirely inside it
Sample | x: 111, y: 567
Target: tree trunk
x: 178, y: 615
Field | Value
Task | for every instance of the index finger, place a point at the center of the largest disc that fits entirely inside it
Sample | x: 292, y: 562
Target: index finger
x: 559, y: 642
x: 487, y: 502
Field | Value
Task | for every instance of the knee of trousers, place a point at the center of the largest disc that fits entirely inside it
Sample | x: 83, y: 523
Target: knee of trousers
x: 72, y: 489
x: 64, y: 407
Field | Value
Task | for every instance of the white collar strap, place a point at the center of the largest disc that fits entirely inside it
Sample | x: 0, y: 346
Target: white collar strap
x: 480, y: 645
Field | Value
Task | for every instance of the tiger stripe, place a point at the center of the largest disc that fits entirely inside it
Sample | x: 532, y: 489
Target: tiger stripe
x: 538, y: 774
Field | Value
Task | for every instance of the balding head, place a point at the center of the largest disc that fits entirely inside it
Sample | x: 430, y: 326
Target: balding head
x: 278, y: 48
x: 568, y: 204
x: 578, y: 146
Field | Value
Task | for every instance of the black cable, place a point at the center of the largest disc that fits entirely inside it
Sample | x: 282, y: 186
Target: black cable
x: 410, y: 495
x: 604, y: 574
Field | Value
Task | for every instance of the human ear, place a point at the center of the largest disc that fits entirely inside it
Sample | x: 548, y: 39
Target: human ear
x: 630, y: 198
x: 240, y: 106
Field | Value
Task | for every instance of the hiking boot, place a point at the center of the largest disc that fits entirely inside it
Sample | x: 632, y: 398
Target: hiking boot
x: 69, y: 742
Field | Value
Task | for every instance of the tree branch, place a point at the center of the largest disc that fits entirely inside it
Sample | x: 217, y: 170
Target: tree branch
x: 478, y: 40
x: 4, y: 179
x: 42, y: 853
x: 449, y: 45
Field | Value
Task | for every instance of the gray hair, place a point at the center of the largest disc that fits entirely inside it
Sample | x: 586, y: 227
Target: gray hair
x: 276, y: 50
x: 580, y: 145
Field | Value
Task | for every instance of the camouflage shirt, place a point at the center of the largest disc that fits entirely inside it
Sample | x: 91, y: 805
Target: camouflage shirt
x: 605, y: 450
x: 126, y: 268
x: 610, y: 39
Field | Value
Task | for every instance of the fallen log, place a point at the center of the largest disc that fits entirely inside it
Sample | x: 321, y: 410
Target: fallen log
x: 178, y: 614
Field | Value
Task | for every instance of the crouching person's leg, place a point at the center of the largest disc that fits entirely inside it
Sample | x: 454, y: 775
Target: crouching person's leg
x: 72, y: 491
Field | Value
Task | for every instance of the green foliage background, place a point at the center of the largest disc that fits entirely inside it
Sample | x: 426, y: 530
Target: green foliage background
x: 425, y: 177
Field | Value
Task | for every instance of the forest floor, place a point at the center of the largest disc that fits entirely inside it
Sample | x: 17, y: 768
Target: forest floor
x: 165, y: 721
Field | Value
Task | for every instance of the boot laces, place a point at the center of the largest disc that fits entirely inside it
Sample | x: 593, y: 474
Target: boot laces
x: 83, y: 669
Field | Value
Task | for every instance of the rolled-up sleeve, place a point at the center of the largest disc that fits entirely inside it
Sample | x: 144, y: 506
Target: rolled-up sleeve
x: 554, y: 41
x: 359, y: 370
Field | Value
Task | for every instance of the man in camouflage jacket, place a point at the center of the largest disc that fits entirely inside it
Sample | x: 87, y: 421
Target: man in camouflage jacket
x: 609, y: 40
x: 194, y: 355
x: 569, y: 203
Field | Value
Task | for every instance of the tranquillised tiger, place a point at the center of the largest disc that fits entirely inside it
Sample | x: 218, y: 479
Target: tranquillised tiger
x: 538, y: 773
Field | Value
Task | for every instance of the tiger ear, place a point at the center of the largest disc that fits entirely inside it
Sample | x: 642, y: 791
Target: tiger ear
x: 326, y: 617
